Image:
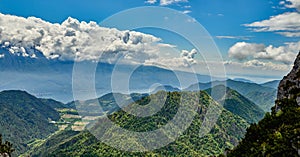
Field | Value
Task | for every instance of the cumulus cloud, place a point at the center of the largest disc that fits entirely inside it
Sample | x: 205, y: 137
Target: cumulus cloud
x: 186, y: 59
x: 189, y: 55
x: 85, y: 41
x: 247, y: 51
x: 243, y: 50
x: 287, y: 24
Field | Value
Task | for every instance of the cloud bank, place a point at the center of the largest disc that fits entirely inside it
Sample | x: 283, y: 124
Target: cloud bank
x: 80, y: 41
x: 243, y: 51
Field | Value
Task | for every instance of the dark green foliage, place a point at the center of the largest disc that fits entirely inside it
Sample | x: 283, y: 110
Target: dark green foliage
x: 236, y: 103
x: 24, y: 118
x: 226, y: 133
x: 278, y: 134
x: 6, y: 147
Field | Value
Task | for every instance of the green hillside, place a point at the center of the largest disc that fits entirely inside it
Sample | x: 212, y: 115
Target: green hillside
x: 25, y: 118
x: 226, y: 133
x: 237, y: 103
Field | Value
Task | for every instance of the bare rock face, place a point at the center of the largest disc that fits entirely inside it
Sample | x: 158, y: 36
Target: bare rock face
x: 289, y: 86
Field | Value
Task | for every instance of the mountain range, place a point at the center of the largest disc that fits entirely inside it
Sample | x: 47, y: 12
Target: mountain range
x: 264, y: 96
x: 226, y: 133
x: 54, y: 121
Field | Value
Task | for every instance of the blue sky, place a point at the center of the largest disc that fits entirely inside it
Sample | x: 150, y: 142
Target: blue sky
x: 224, y: 20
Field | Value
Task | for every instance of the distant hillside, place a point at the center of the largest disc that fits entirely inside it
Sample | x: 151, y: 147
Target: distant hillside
x: 54, y: 104
x: 237, y: 103
x: 272, y: 84
x: 278, y: 133
x: 243, y: 80
x: 24, y: 118
x: 260, y: 95
x: 226, y: 133
x: 265, y: 100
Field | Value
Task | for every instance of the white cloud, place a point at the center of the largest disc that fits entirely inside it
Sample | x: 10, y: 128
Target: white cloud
x: 233, y: 37
x: 186, y: 11
x: 256, y: 66
x: 266, y: 65
x: 2, y: 55
x: 73, y: 38
x: 246, y: 51
x: 166, y: 2
x: 169, y: 2
x: 243, y: 50
x: 282, y: 2
x: 151, y: 1
x: 289, y: 34
x: 289, y: 21
x: 186, y: 59
x: 189, y: 56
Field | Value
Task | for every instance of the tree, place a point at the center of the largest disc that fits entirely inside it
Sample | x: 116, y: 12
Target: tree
x: 5, y: 148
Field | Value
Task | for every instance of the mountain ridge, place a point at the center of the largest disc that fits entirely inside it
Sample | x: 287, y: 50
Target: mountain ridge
x: 236, y: 103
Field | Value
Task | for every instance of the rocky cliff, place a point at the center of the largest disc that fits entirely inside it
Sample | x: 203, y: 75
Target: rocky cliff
x: 289, y: 87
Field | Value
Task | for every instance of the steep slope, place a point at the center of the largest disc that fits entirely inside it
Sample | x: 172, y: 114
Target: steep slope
x: 237, y: 103
x: 278, y: 133
x: 23, y: 118
x: 251, y: 91
x: 226, y: 133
